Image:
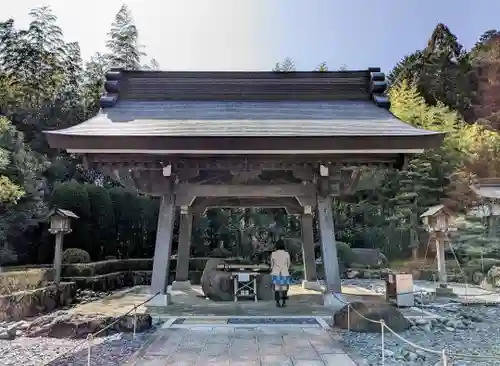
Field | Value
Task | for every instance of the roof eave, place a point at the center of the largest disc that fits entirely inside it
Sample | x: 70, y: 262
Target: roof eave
x: 397, y: 144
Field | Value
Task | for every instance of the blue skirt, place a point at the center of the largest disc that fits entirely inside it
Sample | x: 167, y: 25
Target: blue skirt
x: 281, y: 280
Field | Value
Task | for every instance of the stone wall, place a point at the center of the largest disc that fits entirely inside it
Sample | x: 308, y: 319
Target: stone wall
x: 117, y: 280
x: 14, y: 281
x: 112, y: 281
x: 30, y: 303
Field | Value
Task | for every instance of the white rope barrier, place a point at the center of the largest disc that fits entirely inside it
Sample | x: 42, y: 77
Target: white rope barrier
x: 443, y: 354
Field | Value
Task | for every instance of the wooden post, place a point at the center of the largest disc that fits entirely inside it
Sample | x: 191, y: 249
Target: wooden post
x: 182, y: 269
x: 58, y: 257
x: 163, y: 248
x: 308, y: 256
x: 329, y: 253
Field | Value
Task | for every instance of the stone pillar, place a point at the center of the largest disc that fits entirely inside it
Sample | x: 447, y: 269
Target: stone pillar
x: 442, y: 289
x: 333, y: 288
x: 443, y: 280
x: 308, y: 257
x: 58, y: 257
x: 163, y: 248
x: 182, y: 270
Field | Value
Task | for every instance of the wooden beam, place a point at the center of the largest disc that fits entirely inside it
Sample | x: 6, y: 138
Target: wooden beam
x: 187, y: 192
x: 291, y: 205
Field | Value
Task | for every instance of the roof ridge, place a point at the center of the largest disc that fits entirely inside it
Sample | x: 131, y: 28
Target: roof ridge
x: 368, y: 84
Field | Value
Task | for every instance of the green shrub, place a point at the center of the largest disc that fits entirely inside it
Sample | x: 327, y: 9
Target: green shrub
x: 344, y: 253
x: 478, y: 265
x: 75, y: 255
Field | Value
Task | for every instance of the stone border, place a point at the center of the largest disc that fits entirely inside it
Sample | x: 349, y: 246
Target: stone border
x: 321, y: 323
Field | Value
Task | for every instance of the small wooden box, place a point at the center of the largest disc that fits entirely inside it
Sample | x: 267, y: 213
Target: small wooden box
x: 399, y: 288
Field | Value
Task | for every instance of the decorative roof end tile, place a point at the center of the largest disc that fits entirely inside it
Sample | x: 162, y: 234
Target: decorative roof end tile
x: 111, y: 89
x: 378, y: 88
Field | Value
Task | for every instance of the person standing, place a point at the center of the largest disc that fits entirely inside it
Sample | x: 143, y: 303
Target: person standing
x: 280, y: 264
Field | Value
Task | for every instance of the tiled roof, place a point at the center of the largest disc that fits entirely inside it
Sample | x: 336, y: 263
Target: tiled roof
x: 278, y: 118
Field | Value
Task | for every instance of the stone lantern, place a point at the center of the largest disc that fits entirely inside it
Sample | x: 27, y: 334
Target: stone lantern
x: 438, y: 222
x: 60, y: 224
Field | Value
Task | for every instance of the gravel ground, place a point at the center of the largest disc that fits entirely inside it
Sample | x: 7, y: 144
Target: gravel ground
x: 470, y: 330
x: 112, y: 350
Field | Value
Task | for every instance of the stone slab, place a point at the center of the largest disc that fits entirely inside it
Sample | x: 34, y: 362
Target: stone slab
x: 181, y: 285
x: 312, y: 285
x: 271, y: 345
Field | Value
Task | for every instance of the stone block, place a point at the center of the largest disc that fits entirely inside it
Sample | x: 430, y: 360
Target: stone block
x: 62, y: 324
x: 361, y: 318
x: 20, y: 305
x: 181, y: 285
x: 311, y: 285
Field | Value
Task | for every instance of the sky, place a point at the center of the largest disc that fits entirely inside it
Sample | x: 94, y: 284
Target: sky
x: 255, y: 34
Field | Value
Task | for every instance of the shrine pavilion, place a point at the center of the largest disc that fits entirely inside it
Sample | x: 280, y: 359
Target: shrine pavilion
x: 243, y: 139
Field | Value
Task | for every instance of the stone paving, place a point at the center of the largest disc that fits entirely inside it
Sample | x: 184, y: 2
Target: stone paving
x: 245, y: 346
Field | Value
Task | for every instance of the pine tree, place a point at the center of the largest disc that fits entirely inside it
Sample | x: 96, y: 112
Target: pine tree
x: 153, y: 65
x: 322, y: 67
x: 441, y: 72
x: 286, y: 66
x: 123, y: 44
x: 408, y: 68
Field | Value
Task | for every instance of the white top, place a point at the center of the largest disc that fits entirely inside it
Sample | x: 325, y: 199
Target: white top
x: 280, y: 261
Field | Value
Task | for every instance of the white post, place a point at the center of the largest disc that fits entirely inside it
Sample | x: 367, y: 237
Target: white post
x: 135, y: 322
x: 89, y: 345
x: 382, y: 326
x: 58, y: 256
x: 255, y: 288
x: 349, y: 317
x: 444, y: 358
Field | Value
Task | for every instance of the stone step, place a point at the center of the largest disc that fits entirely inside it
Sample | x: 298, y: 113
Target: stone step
x: 247, y: 321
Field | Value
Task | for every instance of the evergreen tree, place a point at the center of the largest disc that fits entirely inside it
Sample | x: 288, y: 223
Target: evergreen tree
x: 21, y: 187
x: 286, y: 66
x: 153, y: 65
x: 441, y: 72
x: 10, y: 192
x: 322, y: 67
x: 123, y: 44
x: 408, y: 68
x: 471, y: 238
x: 93, y: 81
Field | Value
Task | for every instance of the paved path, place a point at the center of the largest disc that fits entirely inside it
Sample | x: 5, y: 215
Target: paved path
x: 266, y: 345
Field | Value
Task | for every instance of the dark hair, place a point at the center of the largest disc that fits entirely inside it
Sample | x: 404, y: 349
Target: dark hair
x: 280, y: 245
